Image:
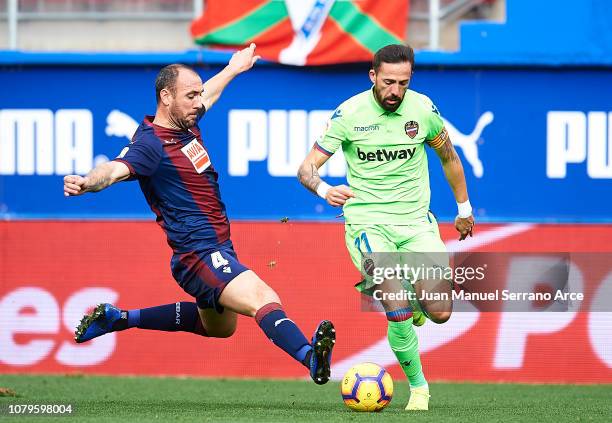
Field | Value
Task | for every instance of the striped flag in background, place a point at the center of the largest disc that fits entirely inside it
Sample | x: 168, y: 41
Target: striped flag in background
x: 304, y: 32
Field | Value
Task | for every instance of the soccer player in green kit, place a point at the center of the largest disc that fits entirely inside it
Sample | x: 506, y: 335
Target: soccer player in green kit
x: 383, y: 132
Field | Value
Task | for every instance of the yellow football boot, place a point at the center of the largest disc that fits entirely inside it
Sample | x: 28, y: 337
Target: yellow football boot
x: 419, y: 398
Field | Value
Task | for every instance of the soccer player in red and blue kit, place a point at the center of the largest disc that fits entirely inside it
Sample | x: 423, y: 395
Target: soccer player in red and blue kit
x: 176, y: 175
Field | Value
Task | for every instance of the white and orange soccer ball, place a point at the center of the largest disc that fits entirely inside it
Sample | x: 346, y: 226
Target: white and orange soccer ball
x: 366, y: 387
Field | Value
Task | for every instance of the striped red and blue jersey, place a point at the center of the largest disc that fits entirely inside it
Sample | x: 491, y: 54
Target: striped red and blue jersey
x: 180, y: 184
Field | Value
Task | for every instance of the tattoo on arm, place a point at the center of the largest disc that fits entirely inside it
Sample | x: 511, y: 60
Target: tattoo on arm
x: 447, y: 153
x: 99, y: 178
x: 97, y: 184
x: 309, y: 177
x: 453, y: 170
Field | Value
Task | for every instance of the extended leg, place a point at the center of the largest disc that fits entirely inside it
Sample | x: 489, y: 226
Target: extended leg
x: 247, y: 294
x: 174, y: 317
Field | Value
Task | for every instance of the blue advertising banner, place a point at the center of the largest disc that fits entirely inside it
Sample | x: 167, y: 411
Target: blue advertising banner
x: 536, y: 143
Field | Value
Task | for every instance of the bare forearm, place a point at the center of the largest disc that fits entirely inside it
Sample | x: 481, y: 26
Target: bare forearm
x: 241, y: 61
x: 456, y: 179
x: 99, y: 178
x: 308, y: 176
x: 453, y: 170
x: 215, y: 85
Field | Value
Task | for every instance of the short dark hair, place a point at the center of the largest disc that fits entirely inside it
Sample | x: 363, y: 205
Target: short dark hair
x: 393, y: 53
x: 166, y: 78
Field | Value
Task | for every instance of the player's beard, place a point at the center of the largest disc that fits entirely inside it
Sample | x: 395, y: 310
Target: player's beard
x: 183, y: 122
x: 383, y: 101
x: 188, y: 122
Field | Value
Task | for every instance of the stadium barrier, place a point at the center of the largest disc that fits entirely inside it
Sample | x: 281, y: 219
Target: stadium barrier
x: 54, y: 271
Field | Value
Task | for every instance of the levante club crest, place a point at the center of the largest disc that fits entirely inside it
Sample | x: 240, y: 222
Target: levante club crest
x: 412, y: 128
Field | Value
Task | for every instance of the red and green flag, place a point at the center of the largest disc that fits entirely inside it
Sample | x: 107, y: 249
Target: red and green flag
x: 304, y: 32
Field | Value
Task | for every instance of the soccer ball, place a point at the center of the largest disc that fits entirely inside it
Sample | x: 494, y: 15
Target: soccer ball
x: 367, y: 387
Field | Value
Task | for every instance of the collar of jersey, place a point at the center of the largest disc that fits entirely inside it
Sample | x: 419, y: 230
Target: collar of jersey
x: 378, y: 108
x: 169, y: 135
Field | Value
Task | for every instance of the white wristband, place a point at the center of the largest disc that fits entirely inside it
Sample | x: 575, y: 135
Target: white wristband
x: 322, y: 189
x: 464, y: 209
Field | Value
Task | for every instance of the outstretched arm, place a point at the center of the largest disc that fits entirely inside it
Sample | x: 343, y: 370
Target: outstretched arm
x: 241, y: 61
x: 453, y: 170
x: 102, y: 176
x: 308, y: 175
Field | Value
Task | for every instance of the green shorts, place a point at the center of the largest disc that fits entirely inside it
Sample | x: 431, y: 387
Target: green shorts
x: 415, y: 244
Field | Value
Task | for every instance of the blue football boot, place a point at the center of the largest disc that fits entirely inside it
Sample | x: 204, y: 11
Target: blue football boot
x: 100, y: 321
x: 323, y: 342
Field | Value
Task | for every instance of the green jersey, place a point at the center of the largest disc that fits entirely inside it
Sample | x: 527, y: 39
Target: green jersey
x: 385, y: 156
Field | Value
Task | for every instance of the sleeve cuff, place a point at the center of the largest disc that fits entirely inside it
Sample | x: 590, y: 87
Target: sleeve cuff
x: 322, y: 150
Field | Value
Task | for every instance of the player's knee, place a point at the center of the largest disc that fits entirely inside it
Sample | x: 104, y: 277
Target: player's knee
x: 393, y: 305
x: 439, y: 316
x: 266, y: 295
x: 263, y: 295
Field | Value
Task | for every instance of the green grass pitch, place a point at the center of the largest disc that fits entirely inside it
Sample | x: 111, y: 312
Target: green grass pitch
x: 139, y: 399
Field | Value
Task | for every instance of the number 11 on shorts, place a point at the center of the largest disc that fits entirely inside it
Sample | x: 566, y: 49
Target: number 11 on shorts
x: 364, y: 239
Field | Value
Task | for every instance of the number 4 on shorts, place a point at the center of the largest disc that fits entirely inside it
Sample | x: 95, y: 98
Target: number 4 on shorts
x: 218, y: 260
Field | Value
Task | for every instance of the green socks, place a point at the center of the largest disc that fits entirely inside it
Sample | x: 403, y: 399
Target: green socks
x: 404, y: 343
